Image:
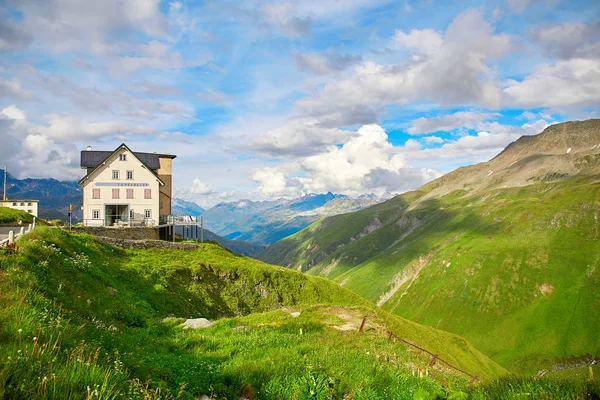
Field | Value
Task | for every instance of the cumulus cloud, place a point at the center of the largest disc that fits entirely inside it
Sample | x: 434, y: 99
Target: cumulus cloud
x: 272, y: 181
x: 299, y: 137
x: 326, y: 63
x: 197, y: 188
x: 366, y: 163
x: 52, y: 144
x: 569, y: 40
x: 570, y: 82
x: 460, y: 119
x: 31, y: 153
x: 449, y: 68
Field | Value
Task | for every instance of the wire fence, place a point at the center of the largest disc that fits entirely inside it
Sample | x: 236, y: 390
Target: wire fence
x: 436, y: 358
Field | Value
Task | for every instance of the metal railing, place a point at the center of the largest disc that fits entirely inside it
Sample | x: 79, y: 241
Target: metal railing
x: 121, y: 223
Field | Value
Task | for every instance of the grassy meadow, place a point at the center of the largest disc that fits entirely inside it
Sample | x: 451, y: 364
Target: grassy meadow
x: 514, y: 270
x: 84, y: 320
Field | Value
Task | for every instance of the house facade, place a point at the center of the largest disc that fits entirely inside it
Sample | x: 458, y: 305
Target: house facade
x: 29, y: 206
x: 125, y: 188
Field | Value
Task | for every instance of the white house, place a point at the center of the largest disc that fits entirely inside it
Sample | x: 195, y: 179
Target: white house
x: 29, y: 206
x: 123, y: 188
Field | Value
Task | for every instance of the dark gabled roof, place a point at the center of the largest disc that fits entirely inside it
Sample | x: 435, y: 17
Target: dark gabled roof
x: 96, y: 158
x: 93, y: 158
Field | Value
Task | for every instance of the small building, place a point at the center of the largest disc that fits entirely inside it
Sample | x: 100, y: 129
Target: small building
x: 125, y: 188
x: 29, y: 206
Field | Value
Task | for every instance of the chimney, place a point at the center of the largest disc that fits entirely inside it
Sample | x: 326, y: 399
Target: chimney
x: 89, y: 148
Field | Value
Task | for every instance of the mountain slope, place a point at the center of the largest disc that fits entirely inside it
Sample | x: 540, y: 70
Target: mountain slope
x: 78, y: 316
x: 505, y: 253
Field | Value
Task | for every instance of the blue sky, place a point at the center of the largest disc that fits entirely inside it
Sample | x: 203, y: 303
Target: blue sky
x: 262, y: 99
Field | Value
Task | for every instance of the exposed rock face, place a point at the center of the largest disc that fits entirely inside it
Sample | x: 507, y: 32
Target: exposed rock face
x: 197, y: 323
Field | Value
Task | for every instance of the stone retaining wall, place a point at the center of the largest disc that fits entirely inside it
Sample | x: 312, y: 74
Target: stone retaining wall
x: 146, y: 244
x: 120, y: 233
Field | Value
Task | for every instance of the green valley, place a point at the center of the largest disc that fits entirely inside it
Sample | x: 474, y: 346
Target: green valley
x: 505, y: 253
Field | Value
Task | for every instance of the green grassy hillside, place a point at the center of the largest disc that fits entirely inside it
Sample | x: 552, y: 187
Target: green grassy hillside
x: 510, y: 261
x: 80, y: 319
x: 10, y: 216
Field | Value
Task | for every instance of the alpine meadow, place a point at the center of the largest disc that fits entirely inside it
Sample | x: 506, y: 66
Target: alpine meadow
x: 505, y: 253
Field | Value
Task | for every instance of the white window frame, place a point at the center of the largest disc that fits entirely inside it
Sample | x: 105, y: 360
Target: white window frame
x: 131, y: 214
x: 93, y: 193
x: 123, y: 157
x: 129, y: 173
x: 127, y: 191
x: 149, y: 192
x: 148, y: 213
x: 116, y: 175
x: 95, y: 214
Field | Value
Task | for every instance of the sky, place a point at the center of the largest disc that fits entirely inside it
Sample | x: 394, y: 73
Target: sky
x: 263, y: 99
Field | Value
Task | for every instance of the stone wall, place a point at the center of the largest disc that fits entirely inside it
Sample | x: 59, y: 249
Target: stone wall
x: 146, y: 244
x: 120, y: 233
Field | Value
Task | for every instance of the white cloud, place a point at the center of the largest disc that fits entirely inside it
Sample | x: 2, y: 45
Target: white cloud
x: 569, y: 40
x: 487, y: 143
x: 571, y: 82
x: 460, y: 119
x: 194, y: 190
x: 273, y: 181
x: 453, y: 69
x: 299, y: 137
x: 366, y: 163
x: 12, y: 88
x: 433, y: 139
x: 13, y: 113
x: 421, y: 41
x: 329, y: 62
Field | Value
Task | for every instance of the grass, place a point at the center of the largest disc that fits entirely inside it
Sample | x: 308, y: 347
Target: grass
x: 80, y: 319
x: 515, y: 271
x: 10, y: 215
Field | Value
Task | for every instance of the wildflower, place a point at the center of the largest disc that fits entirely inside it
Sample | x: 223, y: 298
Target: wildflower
x: 20, y: 330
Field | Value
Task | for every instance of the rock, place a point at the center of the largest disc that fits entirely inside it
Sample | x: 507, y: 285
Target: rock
x: 197, y: 323
x: 295, y: 314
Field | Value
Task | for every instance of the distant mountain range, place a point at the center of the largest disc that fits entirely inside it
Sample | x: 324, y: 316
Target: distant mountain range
x: 54, y: 196
x: 265, y: 222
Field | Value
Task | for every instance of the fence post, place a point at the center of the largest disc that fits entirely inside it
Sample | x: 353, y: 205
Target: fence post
x: 29, y: 228
x: 33, y: 225
x: 362, y: 325
x: 11, y: 237
x: 21, y: 231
